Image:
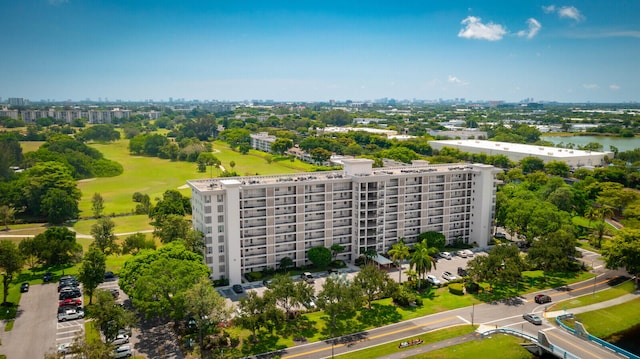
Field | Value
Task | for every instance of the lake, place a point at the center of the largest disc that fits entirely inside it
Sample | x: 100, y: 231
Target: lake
x: 622, y: 143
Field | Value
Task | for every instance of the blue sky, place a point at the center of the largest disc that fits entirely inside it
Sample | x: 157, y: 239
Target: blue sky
x: 308, y: 50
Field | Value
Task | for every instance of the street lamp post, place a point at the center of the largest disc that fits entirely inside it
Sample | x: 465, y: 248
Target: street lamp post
x: 594, y: 279
x: 473, y: 310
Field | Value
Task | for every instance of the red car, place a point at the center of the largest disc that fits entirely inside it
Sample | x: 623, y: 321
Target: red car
x: 71, y: 302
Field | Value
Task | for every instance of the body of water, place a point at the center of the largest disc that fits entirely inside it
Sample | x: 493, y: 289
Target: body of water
x: 622, y: 143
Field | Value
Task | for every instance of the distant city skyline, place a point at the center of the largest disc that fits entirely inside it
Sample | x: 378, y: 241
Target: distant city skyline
x: 316, y: 51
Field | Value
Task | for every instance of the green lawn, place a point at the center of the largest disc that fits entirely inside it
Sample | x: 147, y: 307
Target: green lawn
x: 427, y: 338
x: 608, y: 321
x: 601, y: 296
x: 153, y: 176
x: 125, y: 224
x: 497, y: 346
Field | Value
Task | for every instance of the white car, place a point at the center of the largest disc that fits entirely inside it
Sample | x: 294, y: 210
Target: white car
x: 469, y: 252
x: 433, y: 280
x: 64, y: 348
x: 122, y: 352
x: 120, y: 339
x: 462, y: 253
x: 449, y: 276
x: 70, y: 314
x: 445, y: 255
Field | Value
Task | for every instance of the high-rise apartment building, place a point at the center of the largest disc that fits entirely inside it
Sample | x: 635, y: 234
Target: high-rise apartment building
x: 251, y: 223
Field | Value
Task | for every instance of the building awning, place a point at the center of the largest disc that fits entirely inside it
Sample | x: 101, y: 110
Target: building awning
x: 382, y: 260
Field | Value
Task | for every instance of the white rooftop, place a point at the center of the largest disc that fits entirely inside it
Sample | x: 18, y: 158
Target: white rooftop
x: 520, y: 148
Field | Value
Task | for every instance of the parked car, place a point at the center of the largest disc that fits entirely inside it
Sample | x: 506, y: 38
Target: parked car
x: 70, y: 302
x: 448, y: 276
x: 532, y: 318
x: 542, y: 298
x: 120, y: 339
x: 123, y: 351
x: 69, y: 293
x: 237, y: 288
x: 461, y: 253
x: 332, y: 271
x: 266, y: 282
x: 462, y: 272
x: 115, y: 293
x: 47, y: 277
x: 308, y: 277
x: 24, y: 287
x: 433, y: 280
x: 469, y: 252
x: 64, y: 348
x: 70, y: 314
x: 445, y: 255
x: 109, y: 275
x: 500, y: 235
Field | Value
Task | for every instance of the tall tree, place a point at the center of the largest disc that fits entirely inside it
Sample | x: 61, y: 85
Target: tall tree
x: 172, y: 227
x: 422, y: 260
x: 257, y: 311
x: 39, y: 200
x: 373, y: 282
x: 91, y: 272
x: 554, y: 252
x: 623, y: 250
x: 281, y: 145
x: 335, y: 250
x: 137, y: 242
x: 109, y: 317
x: 104, y: 238
x: 10, y: 262
x: 399, y: 252
x: 97, y: 205
x: 156, y: 280
x: 206, y: 307
x: 290, y: 294
x: 320, y: 256
x: 7, y: 214
x: 339, y: 299
x: 57, y: 245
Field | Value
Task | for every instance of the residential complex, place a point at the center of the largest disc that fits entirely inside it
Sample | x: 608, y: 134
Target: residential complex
x: 93, y: 116
x: 251, y: 223
x: 516, y: 151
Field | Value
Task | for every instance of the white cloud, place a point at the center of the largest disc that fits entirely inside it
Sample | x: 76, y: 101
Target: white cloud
x: 456, y: 80
x: 570, y: 12
x: 475, y: 29
x: 549, y: 9
x: 534, y: 28
x: 614, y: 87
x: 590, y: 86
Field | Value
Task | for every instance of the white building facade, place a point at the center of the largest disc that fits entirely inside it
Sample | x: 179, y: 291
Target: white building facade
x: 251, y: 223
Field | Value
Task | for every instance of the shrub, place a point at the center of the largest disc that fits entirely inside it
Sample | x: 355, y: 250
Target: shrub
x: 253, y: 276
x: 456, y: 288
x: 403, y: 297
x: 472, y: 287
x: 222, y: 282
x: 419, y: 301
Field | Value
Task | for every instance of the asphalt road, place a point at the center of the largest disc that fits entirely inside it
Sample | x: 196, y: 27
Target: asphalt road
x: 35, y: 329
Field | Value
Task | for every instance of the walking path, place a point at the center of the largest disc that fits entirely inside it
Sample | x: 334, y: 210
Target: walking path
x: 596, y: 306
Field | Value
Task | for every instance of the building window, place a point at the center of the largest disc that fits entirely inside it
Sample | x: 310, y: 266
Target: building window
x: 220, y: 198
x: 221, y: 249
x: 220, y: 228
x: 209, y: 250
x: 220, y: 208
x: 220, y: 219
x: 220, y: 239
x: 221, y: 259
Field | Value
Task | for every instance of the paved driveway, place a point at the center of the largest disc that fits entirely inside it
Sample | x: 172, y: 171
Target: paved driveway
x: 34, y: 330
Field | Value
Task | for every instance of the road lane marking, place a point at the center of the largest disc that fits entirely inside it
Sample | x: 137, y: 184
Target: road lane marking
x: 580, y: 349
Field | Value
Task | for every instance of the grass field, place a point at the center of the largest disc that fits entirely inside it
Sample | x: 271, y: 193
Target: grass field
x: 153, y: 176
x: 601, y: 296
x: 607, y: 321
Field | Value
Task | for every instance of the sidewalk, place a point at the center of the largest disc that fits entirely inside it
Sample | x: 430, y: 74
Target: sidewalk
x: 588, y: 308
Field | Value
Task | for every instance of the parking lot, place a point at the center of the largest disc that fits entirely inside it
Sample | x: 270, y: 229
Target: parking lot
x: 441, y: 265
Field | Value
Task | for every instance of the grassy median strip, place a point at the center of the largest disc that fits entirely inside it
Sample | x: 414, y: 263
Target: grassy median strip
x: 496, y: 346
x: 427, y: 338
x: 601, y: 296
x: 607, y: 321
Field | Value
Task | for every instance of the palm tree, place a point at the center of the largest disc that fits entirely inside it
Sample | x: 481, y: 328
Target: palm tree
x: 422, y: 259
x: 399, y: 252
x: 6, y: 215
x: 369, y: 255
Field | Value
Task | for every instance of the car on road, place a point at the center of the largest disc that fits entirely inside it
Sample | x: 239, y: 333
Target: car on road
x: 433, y: 280
x: 462, y: 254
x: 47, y: 277
x: 70, y: 302
x: 24, y: 287
x: 462, y: 272
x: 123, y: 351
x: 469, y: 253
x: 532, y: 318
x: 542, y: 298
x: 237, y: 288
x: 445, y: 255
x: 448, y: 275
x: 70, y: 314
x: 109, y: 275
x: 120, y: 339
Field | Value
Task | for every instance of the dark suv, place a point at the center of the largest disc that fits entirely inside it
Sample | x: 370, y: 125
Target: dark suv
x: 69, y: 294
x: 462, y: 272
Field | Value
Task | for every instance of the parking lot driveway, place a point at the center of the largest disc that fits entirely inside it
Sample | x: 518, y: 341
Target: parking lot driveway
x: 34, y: 330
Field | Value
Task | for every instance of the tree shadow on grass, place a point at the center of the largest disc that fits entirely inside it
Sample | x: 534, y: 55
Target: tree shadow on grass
x: 345, y: 324
x: 265, y: 342
x: 379, y: 315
